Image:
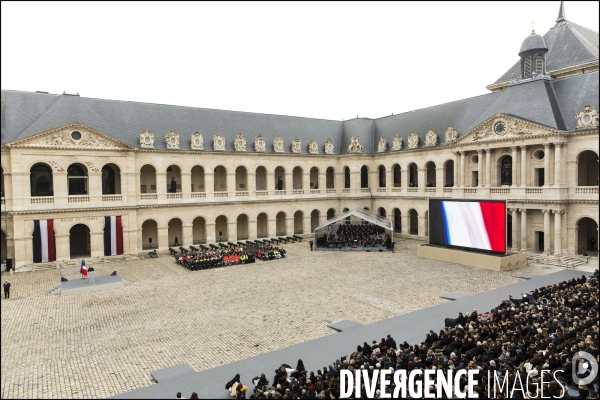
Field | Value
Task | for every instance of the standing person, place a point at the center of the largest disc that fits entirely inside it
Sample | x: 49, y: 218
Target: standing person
x: 6, y: 290
x: 84, y: 271
x: 92, y: 273
x: 81, y: 269
x: 176, y: 241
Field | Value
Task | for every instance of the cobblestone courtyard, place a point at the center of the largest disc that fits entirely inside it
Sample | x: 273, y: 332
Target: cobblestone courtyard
x: 103, y: 343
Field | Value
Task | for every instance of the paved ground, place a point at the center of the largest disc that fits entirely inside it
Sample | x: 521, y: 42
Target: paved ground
x: 101, y: 344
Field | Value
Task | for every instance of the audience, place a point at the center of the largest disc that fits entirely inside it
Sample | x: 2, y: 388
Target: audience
x: 530, y: 335
x: 246, y: 254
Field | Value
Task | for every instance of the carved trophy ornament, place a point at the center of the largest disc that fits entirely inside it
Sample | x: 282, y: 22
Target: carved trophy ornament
x: 197, y: 141
x: 587, y: 118
x: 260, y: 145
x: 328, y: 147
x: 172, y: 140
x: 296, y: 145
x: 278, y: 145
x: 413, y: 141
x: 147, y: 139
x: 219, y: 142
x: 355, y: 146
x: 313, y: 147
x: 431, y: 138
x: 451, y: 135
x: 382, y: 146
x: 397, y: 143
x: 239, y: 143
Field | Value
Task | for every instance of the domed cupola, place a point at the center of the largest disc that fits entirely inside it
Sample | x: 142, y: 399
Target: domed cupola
x: 533, y: 56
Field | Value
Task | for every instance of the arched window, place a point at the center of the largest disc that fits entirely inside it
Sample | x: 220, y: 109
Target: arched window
x: 111, y: 179
x: 41, y: 180
x: 506, y: 171
x: 527, y: 67
x: 77, y: 180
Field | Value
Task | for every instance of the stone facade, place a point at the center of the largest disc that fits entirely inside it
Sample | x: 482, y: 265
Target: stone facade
x: 240, y: 198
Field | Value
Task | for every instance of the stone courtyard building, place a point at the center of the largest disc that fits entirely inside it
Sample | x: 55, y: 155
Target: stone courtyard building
x: 203, y: 175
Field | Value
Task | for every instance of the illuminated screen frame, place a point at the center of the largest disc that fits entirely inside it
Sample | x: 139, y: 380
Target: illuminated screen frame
x: 433, y: 232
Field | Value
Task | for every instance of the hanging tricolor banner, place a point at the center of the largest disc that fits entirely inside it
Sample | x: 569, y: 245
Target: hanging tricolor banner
x: 113, y: 236
x: 43, y: 240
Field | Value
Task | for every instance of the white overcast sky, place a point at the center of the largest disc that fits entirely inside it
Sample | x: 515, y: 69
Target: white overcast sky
x: 321, y: 60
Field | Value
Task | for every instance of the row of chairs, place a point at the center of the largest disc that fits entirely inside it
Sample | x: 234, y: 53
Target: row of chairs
x: 229, y: 245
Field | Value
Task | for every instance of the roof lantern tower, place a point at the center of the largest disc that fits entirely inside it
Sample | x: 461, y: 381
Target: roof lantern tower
x: 533, y: 55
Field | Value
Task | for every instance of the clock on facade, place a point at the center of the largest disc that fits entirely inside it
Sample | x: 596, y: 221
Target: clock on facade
x: 500, y: 128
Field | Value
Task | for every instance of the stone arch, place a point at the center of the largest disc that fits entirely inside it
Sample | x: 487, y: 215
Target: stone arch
x: 280, y: 178
x: 298, y: 223
x: 364, y: 176
x: 397, y: 175
x: 397, y: 220
x: 330, y: 178
x: 587, y: 168
x: 173, y: 179
x: 148, y: 179
x: 587, y: 236
x: 280, y: 224
x: 381, y: 175
x: 413, y: 222
x: 314, y: 178
x: 381, y: 212
x: 241, y: 179
x: 198, y: 179
x: 347, y: 180
x: 430, y: 175
x: 199, y: 230
x: 220, y: 179
x: 175, y: 231
x: 413, y: 175
x: 79, y: 241
x: 221, y: 233
x: 504, y: 167
x: 41, y: 180
x: 330, y: 213
x: 297, y: 178
x: 77, y: 180
x: 150, y: 234
x: 111, y: 179
x: 449, y: 173
x: 261, y: 178
x: 262, y: 226
x: 242, y: 227
x: 314, y: 220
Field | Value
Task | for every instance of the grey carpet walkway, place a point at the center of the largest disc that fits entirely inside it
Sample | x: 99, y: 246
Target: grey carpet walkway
x: 324, y: 351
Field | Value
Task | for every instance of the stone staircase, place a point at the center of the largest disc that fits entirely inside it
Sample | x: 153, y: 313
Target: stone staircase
x: 563, y: 260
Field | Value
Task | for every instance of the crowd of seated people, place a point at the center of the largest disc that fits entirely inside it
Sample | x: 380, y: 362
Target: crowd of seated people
x: 360, y: 235
x: 532, y: 339
x: 233, y: 255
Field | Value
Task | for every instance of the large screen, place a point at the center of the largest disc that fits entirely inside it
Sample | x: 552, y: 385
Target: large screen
x: 479, y: 225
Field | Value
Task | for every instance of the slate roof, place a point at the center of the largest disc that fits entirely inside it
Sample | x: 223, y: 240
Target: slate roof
x: 568, y: 45
x: 550, y: 103
x: 533, y: 42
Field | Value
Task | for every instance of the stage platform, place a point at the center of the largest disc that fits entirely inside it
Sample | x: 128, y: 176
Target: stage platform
x: 358, y: 248
x: 83, y: 285
x: 473, y: 259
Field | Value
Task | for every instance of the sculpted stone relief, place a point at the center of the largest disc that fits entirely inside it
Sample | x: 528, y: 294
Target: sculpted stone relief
x: 296, y: 146
x: 355, y: 146
x: 147, y: 139
x: 278, y: 145
x: 172, y: 140
x: 74, y: 135
x: 451, y: 135
x: 382, y: 146
x: 260, y: 145
x: 587, y: 118
x: 197, y: 141
x: 313, y: 147
x: 397, y: 142
x: 501, y: 127
x: 219, y: 142
x: 239, y: 143
x: 413, y: 141
x: 431, y: 138
x: 328, y: 147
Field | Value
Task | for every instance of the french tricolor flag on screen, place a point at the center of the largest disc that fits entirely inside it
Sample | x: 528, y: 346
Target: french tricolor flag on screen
x: 43, y: 240
x: 113, y: 236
